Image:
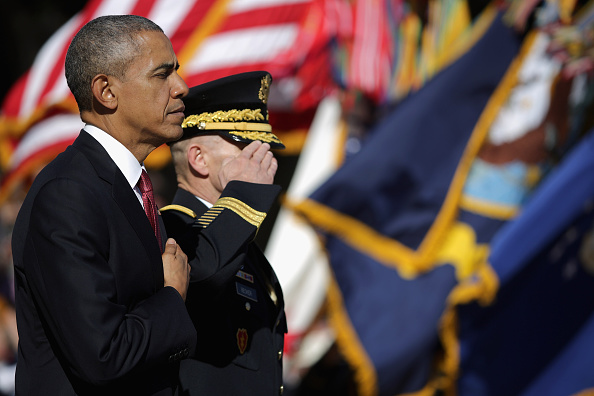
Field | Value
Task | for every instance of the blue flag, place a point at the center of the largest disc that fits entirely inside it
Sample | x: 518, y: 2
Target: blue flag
x: 537, y: 337
x: 391, y: 224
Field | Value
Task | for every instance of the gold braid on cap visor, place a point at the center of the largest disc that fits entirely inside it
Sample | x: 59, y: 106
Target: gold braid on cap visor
x: 236, y: 122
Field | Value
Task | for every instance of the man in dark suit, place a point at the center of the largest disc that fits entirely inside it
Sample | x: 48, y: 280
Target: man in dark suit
x: 100, y: 308
x: 225, y: 175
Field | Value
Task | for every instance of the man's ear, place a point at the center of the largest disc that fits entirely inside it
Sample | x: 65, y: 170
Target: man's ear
x: 103, y: 90
x: 196, y: 159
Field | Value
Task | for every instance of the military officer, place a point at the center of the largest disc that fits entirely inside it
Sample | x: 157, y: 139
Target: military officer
x: 225, y: 171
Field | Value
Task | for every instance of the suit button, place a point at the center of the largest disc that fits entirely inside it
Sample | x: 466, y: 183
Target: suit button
x: 247, y: 306
x: 280, y: 355
x: 281, y: 390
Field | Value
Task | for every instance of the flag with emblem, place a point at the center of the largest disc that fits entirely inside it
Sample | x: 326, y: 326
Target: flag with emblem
x: 396, y: 239
x: 535, y: 336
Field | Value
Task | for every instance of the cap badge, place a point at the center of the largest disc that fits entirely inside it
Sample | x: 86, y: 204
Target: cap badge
x: 265, y: 88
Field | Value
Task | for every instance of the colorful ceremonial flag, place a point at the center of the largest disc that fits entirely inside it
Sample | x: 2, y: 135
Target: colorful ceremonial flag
x: 390, y: 221
x: 212, y: 38
x: 536, y: 336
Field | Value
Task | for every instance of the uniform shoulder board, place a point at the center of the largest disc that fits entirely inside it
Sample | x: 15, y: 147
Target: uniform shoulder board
x: 179, y: 208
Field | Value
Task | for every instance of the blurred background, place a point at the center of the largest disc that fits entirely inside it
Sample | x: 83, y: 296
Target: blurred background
x: 435, y: 231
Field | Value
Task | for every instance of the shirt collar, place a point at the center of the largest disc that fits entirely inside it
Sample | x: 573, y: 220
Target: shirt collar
x: 205, y: 202
x: 123, y: 158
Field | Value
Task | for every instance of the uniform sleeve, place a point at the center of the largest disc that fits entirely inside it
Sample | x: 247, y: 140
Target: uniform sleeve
x: 73, y: 281
x: 216, y: 242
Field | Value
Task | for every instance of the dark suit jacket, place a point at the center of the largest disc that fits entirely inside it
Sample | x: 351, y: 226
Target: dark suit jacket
x: 240, y: 329
x: 92, y: 313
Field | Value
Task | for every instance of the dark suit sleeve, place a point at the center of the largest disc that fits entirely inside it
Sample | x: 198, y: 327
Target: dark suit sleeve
x: 73, y: 276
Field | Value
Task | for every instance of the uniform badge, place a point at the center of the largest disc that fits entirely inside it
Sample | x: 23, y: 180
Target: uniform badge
x: 245, y: 276
x: 246, y: 291
x: 264, y: 88
x: 242, y: 340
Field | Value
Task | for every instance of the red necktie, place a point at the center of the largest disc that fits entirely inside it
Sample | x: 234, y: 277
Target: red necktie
x: 148, y: 200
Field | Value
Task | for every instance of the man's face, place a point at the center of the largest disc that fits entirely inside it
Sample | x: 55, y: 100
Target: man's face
x: 150, y: 96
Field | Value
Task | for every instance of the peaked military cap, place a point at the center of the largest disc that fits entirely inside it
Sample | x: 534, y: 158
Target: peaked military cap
x: 233, y: 107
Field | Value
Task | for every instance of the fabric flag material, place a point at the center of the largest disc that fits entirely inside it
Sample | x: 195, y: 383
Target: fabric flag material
x: 537, y: 335
x: 390, y: 222
x: 305, y: 280
x: 386, y: 51
x: 212, y: 38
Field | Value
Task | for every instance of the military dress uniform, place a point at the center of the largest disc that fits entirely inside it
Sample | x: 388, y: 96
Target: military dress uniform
x: 234, y: 297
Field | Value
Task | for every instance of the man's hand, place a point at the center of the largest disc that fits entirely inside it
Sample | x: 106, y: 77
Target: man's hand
x: 176, y: 270
x: 255, y: 164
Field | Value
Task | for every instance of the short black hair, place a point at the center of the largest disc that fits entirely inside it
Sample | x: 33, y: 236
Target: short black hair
x: 105, y: 45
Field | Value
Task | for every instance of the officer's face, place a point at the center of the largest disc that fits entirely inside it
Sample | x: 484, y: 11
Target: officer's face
x: 217, y: 151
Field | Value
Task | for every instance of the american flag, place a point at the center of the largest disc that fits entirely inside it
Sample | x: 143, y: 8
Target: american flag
x: 212, y: 38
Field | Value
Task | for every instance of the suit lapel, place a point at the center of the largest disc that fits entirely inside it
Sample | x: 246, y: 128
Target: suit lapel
x: 125, y: 198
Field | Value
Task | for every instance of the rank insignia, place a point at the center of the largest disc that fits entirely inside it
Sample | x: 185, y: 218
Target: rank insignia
x: 242, y: 340
x: 265, y: 88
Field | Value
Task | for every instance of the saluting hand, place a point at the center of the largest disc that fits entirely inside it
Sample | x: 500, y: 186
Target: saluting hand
x: 255, y: 164
x: 176, y: 270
